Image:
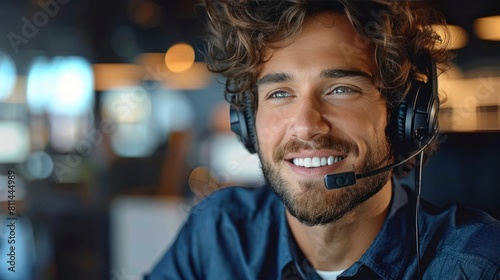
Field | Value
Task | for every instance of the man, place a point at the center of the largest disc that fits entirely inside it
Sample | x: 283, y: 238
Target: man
x: 318, y: 81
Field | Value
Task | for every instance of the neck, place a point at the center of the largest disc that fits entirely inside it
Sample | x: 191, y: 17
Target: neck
x: 338, y: 245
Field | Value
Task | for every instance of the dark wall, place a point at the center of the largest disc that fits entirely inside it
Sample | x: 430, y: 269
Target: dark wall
x: 465, y: 170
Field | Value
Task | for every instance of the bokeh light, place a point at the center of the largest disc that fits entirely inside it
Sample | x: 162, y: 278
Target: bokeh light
x: 62, y: 85
x: 40, y: 84
x: 15, y: 142
x: 453, y: 36
x: 40, y: 165
x: 179, y: 57
x: 126, y: 105
x: 488, y: 28
x: 74, y: 89
x: 7, y: 75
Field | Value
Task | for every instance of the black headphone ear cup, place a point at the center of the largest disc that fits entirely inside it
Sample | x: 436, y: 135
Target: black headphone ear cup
x: 415, y: 118
x: 398, y: 120
x: 242, y: 124
x: 250, y: 124
x: 403, y: 122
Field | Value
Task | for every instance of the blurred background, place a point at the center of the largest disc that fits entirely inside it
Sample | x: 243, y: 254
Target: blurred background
x: 111, y: 128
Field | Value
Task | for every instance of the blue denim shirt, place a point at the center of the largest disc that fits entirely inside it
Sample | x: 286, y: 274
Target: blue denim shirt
x: 242, y: 233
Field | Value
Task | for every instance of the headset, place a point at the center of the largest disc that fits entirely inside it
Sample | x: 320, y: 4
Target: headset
x: 414, y: 119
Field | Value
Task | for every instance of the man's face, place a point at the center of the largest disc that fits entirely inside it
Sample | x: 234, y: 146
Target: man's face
x: 319, y: 112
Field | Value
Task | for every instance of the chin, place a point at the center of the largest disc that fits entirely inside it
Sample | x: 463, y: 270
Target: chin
x: 312, y: 204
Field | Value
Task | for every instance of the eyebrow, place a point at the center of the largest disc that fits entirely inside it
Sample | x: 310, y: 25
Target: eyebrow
x: 274, y: 78
x: 325, y: 74
x: 340, y: 73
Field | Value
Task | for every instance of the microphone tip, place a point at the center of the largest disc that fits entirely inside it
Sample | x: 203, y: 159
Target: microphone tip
x: 340, y: 180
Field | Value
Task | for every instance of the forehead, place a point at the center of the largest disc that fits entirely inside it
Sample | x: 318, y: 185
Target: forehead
x: 327, y: 40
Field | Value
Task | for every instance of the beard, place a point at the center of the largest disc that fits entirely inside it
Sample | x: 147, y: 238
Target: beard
x: 314, y: 204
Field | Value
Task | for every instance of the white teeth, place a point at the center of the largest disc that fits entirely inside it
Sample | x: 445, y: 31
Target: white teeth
x: 316, y: 161
x: 330, y: 160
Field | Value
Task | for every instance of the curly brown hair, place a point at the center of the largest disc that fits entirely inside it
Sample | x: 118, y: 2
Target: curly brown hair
x: 239, y: 32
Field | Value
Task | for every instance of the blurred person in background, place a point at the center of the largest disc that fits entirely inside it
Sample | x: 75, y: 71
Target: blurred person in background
x: 322, y: 88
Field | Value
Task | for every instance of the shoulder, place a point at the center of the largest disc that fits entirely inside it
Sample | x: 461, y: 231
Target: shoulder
x: 457, y: 226
x: 239, y: 225
x: 461, y: 222
x: 472, y: 228
x: 224, y: 226
x: 465, y: 239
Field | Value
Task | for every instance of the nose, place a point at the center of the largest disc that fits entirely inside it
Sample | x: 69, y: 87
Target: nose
x: 308, y: 119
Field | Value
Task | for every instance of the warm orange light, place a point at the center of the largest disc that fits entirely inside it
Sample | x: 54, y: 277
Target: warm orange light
x: 196, y: 77
x: 179, y: 57
x: 154, y: 67
x: 116, y: 75
x: 453, y: 36
x: 488, y: 28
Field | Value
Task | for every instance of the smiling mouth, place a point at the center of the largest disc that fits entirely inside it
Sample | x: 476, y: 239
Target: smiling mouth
x: 316, y: 161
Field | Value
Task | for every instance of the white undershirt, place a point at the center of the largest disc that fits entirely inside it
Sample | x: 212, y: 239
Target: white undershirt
x: 329, y: 275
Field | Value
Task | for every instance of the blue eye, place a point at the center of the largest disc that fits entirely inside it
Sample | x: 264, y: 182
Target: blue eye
x: 343, y: 90
x: 279, y: 94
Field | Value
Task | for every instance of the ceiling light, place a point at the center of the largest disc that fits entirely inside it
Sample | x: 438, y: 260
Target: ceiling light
x: 488, y: 28
x: 453, y: 36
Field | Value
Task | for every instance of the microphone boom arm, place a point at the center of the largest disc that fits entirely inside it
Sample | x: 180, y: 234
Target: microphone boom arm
x: 345, y: 179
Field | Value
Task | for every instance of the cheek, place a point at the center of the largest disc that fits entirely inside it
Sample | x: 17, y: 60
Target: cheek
x: 380, y: 119
x: 373, y: 115
x: 377, y: 128
x: 270, y: 127
x: 366, y: 123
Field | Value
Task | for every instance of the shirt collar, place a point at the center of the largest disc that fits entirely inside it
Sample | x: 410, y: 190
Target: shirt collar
x: 393, y: 250
x: 294, y: 265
